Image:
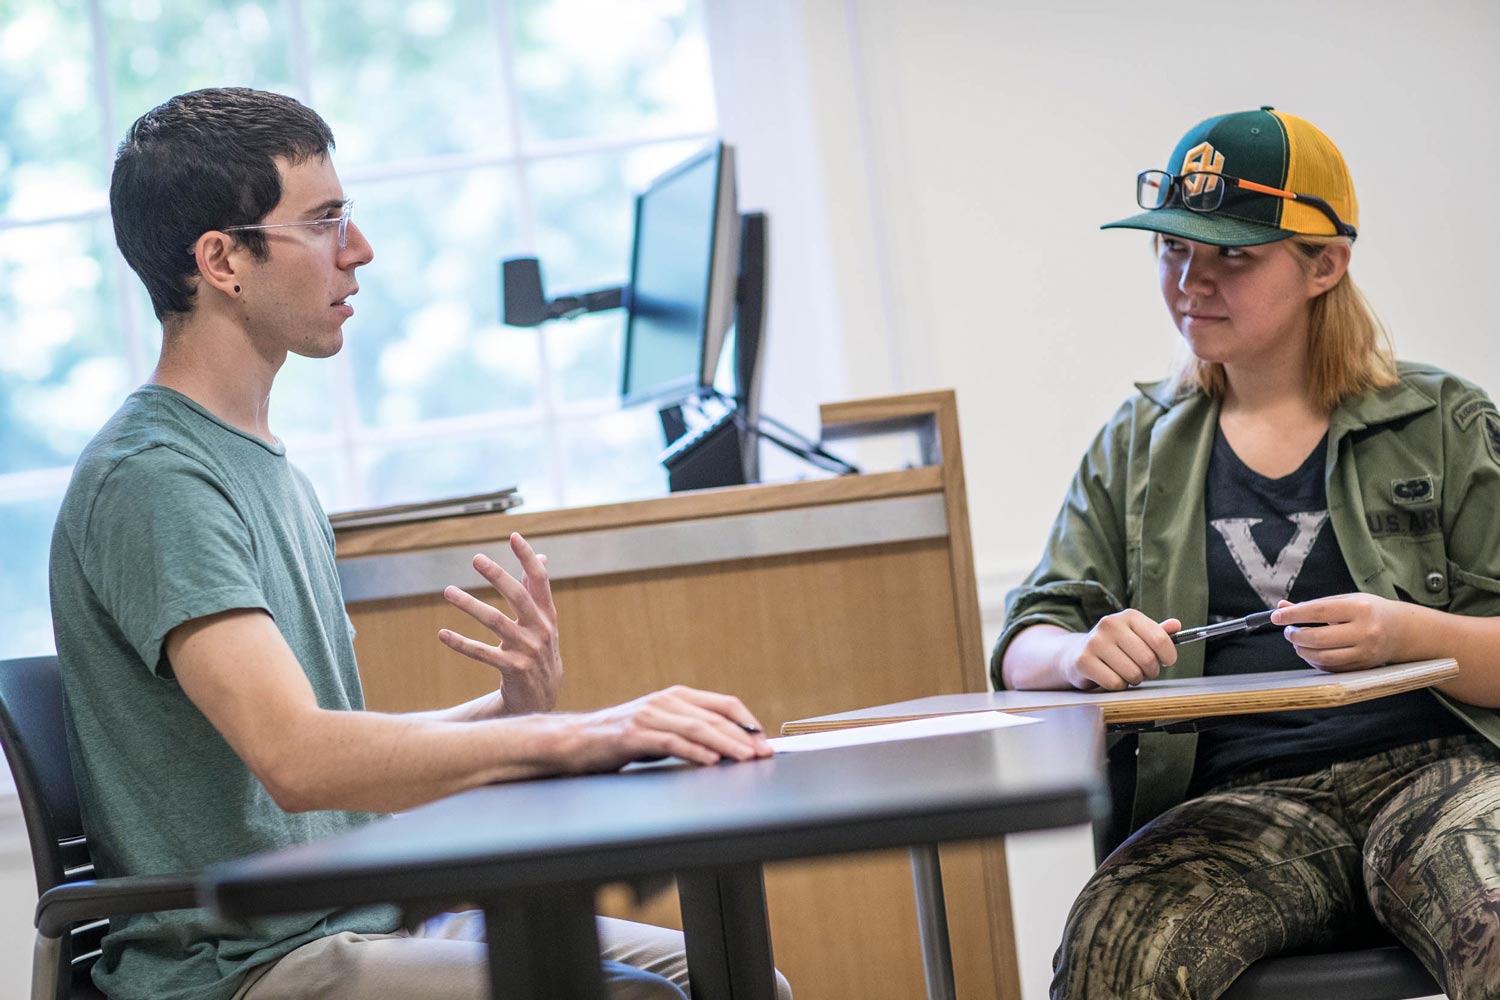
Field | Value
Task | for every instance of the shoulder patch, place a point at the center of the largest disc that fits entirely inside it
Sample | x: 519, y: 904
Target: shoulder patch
x: 1466, y: 414
x: 1492, y: 434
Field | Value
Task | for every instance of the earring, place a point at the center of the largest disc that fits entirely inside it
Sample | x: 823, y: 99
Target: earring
x: 236, y: 287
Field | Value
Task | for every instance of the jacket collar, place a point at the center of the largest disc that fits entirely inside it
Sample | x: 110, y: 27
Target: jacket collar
x: 1382, y: 406
x: 1165, y: 393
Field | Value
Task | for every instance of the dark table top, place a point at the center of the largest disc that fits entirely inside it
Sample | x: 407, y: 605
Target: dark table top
x: 657, y: 820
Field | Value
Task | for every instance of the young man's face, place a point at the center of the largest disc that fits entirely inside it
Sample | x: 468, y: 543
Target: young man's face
x: 296, y: 300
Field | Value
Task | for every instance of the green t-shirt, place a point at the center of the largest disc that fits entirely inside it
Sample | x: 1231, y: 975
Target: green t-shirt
x: 173, y: 515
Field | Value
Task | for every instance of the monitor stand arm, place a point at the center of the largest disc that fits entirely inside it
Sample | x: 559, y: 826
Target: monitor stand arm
x: 526, y: 304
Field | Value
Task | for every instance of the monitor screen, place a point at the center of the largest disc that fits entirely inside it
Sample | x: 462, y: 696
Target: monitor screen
x: 682, y: 275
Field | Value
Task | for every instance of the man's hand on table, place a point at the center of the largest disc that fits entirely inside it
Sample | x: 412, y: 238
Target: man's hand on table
x: 703, y: 727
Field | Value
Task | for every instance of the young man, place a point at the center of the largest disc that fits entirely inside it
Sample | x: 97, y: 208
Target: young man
x: 213, y: 705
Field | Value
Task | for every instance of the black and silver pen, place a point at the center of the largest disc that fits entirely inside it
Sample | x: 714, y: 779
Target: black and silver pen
x: 1237, y: 626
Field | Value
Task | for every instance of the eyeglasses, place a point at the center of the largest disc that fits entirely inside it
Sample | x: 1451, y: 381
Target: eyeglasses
x: 341, y: 220
x: 1202, y: 191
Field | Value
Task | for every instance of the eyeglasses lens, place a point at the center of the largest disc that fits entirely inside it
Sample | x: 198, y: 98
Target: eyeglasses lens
x: 1153, y: 188
x: 1202, y: 192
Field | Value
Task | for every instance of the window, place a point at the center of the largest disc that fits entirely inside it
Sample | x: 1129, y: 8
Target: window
x: 468, y: 131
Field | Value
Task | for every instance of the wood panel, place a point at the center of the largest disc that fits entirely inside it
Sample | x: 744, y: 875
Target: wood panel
x: 793, y: 634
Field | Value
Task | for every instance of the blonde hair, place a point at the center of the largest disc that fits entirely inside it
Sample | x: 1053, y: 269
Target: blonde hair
x: 1348, y: 351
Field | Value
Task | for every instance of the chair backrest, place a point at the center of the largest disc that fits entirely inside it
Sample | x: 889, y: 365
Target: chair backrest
x: 36, y: 745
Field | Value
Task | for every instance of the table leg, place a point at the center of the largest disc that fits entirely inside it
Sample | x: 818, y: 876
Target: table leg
x: 728, y: 936
x: 544, y: 944
x: 932, y: 922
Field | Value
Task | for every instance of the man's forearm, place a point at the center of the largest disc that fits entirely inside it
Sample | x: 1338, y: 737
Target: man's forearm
x: 487, y: 706
x: 371, y: 762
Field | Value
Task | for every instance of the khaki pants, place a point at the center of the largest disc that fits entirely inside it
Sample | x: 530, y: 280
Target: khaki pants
x: 446, y: 958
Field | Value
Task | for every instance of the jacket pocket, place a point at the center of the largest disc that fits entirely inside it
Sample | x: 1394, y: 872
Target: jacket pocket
x: 1420, y: 570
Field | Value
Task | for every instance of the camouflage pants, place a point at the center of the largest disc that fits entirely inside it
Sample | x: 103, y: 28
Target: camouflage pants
x: 1409, y: 838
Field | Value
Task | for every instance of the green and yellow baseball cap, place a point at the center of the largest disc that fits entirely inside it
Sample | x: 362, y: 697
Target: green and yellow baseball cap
x: 1248, y: 178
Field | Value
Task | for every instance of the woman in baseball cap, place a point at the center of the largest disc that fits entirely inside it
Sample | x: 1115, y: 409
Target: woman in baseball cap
x: 1291, y: 465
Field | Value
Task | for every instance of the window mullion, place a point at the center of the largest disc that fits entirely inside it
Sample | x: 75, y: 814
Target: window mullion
x: 132, y: 337
x: 503, y: 13
x: 297, y: 50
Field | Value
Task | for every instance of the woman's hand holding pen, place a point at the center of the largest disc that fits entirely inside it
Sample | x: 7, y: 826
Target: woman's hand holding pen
x: 1123, y: 650
x: 1362, y: 630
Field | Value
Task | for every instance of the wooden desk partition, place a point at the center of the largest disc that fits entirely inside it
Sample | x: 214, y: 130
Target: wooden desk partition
x: 800, y: 598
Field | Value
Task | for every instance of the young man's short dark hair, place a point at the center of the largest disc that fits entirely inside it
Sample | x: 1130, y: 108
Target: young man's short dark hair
x: 203, y: 161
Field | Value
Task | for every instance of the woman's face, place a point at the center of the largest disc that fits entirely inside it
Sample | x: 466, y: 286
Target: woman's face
x: 1238, y: 306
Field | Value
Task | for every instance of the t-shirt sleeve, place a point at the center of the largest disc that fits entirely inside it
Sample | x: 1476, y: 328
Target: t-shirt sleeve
x: 166, y: 544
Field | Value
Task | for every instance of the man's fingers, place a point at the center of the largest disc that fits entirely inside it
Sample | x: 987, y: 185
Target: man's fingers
x: 726, y: 705
x: 487, y: 615
x: 720, y: 732
x: 473, y: 649
x: 534, y: 567
x: 705, y: 728
x: 508, y: 587
x: 719, y: 722
x: 675, y: 745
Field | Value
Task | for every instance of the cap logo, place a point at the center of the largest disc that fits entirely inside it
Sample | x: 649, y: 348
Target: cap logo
x: 1201, y: 159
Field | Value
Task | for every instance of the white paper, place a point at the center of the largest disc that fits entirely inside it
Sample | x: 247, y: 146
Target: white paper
x: 890, y: 732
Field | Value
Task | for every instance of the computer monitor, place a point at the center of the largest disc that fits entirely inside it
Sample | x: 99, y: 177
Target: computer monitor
x: 684, y: 271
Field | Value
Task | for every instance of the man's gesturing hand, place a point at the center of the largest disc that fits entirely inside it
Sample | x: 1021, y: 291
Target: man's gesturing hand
x: 527, y: 655
x: 699, y: 726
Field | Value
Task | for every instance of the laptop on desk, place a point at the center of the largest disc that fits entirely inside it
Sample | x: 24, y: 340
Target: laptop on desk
x: 479, y: 503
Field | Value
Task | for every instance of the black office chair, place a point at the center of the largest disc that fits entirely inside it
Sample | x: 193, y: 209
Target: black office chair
x: 1386, y: 971
x: 72, y: 911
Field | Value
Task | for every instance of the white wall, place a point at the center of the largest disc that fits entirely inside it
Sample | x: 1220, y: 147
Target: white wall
x: 962, y: 154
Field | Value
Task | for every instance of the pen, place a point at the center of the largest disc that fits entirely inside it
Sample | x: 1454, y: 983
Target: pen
x: 1237, y: 626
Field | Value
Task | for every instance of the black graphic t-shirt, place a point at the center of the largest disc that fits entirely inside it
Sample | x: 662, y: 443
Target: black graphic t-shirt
x: 1269, y: 540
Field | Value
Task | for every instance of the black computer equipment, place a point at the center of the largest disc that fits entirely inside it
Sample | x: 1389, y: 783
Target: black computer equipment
x: 697, y: 282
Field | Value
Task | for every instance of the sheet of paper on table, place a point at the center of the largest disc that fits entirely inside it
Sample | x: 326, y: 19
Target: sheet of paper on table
x: 912, y: 729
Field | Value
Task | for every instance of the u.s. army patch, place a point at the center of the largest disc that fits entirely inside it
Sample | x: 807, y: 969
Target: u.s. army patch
x: 1492, y: 434
x: 1413, y: 491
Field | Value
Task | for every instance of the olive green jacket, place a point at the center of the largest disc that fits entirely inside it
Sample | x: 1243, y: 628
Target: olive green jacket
x: 1413, y: 483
